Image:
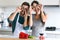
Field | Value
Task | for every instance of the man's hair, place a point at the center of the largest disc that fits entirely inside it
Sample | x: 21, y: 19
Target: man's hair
x: 26, y: 3
x: 34, y: 2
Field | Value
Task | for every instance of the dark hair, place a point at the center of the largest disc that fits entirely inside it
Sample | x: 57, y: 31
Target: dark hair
x: 26, y: 3
x: 41, y: 17
x: 34, y: 2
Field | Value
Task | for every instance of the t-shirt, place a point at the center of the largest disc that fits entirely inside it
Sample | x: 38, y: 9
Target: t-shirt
x: 37, y: 27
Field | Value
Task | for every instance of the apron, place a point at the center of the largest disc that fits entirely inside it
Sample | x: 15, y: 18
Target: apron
x: 19, y: 28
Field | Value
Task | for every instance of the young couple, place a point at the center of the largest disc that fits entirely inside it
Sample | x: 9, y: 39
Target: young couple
x: 26, y: 16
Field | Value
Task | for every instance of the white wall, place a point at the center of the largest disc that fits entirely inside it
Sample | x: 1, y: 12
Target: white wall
x: 50, y: 2
x: 59, y: 2
x: 53, y: 16
x: 5, y: 3
x: 8, y: 11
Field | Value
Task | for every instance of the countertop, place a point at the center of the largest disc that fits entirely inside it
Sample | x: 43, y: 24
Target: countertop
x: 28, y: 39
x: 5, y: 29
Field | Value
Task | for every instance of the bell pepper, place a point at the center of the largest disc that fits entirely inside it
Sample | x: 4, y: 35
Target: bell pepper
x: 23, y: 35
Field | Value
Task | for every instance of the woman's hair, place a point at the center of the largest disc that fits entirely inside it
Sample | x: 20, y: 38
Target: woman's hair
x: 26, y: 3
x: 41, y: 17
x: 40, y: 13
x: 34, y: 2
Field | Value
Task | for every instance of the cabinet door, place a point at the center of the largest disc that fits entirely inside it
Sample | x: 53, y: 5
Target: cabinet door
x: 5, y: 3
x: 50, y: 2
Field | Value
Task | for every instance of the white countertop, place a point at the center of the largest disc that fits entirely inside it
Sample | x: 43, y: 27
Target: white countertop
x: 7, y: 36
x: 5, y: 29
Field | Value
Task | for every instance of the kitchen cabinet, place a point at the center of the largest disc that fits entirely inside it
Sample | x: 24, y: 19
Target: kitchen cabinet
x: 6, y: 31
x: 53, y: 34
x: 50, y: 2
x: 8, y: 3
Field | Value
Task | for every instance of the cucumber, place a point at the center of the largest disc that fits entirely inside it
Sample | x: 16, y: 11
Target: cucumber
x: 31, y: 36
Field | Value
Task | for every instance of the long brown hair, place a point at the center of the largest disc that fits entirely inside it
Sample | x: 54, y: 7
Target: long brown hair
x: 40, y: 17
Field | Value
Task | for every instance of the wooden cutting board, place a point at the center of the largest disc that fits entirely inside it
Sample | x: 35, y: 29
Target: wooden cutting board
x: 14, y: 39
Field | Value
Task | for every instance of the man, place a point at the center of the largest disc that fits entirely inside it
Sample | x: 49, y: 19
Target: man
x: 21, y: 19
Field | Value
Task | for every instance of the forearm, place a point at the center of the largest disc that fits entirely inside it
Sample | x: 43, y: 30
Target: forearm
x: 11, y: 17
x: 44, y: 17
x: 25, y: 22
x: 30, y: 21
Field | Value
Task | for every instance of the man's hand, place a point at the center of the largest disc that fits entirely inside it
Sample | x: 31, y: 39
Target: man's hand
x: 30, y: 10
x: 25, y: 14
x: 18, y: 9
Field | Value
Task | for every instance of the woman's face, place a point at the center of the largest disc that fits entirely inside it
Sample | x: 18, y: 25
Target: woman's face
x: 34, y: 6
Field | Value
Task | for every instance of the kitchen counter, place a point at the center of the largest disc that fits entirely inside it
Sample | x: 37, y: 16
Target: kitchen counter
x: 14, y: 39
x: 6, y: 30
x: 28, y: 39
x: 11, y: 37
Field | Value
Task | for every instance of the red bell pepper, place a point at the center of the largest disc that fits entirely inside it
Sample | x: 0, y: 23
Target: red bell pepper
x: 23, y: 35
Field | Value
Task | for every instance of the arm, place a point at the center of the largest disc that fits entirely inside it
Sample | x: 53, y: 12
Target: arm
x: 11, y: 17
x: 25, y: 19
x: 44, y: 16
x: 31, y: 20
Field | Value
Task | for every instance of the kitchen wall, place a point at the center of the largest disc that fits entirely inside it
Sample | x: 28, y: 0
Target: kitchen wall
x: 8, y: 11
x: 52, y: 12
x: 53, y: 16
x: 50, y: 2
x: 59, y: 2
x: 4, y: 3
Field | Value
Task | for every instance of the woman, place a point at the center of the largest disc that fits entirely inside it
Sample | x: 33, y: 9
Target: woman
x: 39, y: 18
x: 21, y: 19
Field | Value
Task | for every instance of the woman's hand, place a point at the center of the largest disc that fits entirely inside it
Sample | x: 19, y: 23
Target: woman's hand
x: 37, y: 10
x: 37, y: 16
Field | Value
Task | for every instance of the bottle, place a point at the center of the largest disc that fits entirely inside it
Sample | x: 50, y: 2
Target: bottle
x: 42, y: 37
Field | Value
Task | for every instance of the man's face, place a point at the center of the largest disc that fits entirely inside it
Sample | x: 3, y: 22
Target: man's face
x: 24, y: 9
